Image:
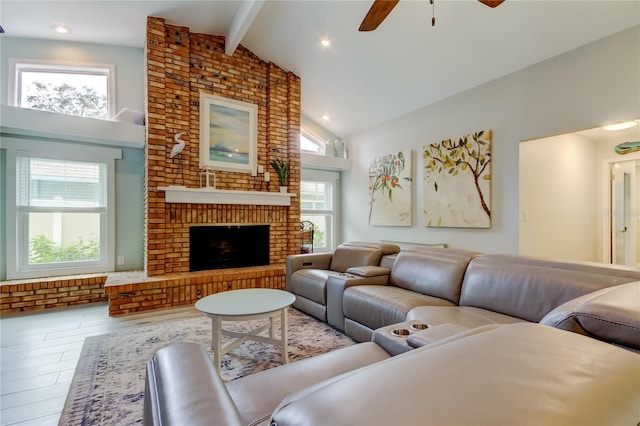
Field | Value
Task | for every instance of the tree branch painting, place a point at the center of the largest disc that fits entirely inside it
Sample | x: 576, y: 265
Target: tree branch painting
x: 457, y: 182
x: 390, y: 190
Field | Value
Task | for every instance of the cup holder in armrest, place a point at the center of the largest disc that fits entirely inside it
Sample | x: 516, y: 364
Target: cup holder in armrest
x: 401, y: 332
x: 419, y: 326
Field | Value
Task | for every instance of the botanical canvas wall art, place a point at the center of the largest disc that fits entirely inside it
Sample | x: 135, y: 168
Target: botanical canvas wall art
x: 390, y: 190
x: 457, y: 182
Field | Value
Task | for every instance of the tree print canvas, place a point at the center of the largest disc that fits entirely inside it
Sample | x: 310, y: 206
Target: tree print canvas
x: 390, y: 190
x: 457, y: 182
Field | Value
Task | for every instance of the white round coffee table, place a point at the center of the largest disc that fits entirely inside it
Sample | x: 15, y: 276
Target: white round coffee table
x: 245, y: 305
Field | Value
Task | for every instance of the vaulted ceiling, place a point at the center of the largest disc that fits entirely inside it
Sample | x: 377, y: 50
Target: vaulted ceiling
x: 363, y: 78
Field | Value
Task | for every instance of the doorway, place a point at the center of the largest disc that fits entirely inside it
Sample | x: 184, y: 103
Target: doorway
x: 570, y: 207
x: 621, y: 225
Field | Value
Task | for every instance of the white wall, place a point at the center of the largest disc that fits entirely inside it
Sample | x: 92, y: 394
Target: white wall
x: 128, y: 61
x: 129, y: 172
x: 595, y: 84
x: 560, y: 183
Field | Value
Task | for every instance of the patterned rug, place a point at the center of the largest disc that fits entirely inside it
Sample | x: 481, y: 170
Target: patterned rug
x: 108, y: 385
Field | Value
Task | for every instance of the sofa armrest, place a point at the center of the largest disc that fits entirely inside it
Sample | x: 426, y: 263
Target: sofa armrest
x: 296, y: 262
x: 611, y: 314
x: 337, y: 284
x: 182, y: 387
x: 368, y: 271
x: 434, y: 333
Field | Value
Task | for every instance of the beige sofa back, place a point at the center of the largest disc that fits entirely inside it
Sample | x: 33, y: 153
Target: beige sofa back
x: 433, y: 271
x: 351, y: 254
x: 529, y: 288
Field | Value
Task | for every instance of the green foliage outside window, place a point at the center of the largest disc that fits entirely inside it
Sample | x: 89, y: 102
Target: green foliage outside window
x: 43, y: 250
x: 67, y: 99
x: 318, y: 237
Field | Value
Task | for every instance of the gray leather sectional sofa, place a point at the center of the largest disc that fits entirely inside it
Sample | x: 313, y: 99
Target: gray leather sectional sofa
x: 488, y: 339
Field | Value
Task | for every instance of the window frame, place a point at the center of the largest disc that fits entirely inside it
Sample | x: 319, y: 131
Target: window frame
x: 17, y: 65
x: 315, y: 139
x: 333, y: 178
x: 15, y: 269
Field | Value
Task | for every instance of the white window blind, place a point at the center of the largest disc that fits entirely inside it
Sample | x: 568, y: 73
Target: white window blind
x: 57, y: 183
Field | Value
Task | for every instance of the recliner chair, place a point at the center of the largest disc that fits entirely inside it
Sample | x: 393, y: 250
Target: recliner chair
x: 307, y: 274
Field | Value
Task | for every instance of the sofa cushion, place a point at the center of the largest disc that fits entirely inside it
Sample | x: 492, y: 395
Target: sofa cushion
x: 432, y: 271
x: 376, y: 306
x: 466, y: 316
x: 311, y: 283
x: 528, y: 288
x: 611, y: 314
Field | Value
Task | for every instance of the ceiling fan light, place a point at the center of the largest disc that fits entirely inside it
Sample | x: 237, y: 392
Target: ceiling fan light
x: 620, y: 126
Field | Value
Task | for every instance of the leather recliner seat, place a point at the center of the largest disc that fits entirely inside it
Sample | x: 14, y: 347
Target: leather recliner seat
x: 307, y: 274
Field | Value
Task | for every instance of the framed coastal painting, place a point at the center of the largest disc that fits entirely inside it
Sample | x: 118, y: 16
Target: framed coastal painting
x: 390, y: 190
x: 457, y: 182
x: 228, y: 134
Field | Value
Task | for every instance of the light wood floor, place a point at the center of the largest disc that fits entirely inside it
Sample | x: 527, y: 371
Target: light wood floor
x: 39, y: 352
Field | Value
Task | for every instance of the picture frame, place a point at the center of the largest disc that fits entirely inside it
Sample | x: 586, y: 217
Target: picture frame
x: 228, y: 134
x: 391, y: 189
x: 457, y: 181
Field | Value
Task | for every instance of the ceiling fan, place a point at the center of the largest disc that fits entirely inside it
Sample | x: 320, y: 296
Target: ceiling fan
x: 381, y: 8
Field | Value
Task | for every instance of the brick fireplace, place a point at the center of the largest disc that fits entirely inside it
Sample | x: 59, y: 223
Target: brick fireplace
x: 180, y: 65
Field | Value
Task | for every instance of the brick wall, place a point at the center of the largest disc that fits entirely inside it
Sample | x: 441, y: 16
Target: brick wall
x: 36, y: 294
x: 185, y: 289
x: 180, y: 65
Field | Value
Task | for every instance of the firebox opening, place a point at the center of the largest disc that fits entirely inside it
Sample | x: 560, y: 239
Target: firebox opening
x: 228, y: 246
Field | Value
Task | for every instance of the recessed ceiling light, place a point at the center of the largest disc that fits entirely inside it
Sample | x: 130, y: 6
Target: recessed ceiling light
x: 325, y: 42
x: 620, y: 126
x: 61, y: 29
x: 326, y: 117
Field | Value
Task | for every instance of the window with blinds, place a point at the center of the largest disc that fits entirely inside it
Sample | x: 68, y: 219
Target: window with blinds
x: 317, y: 201
x: 61, y: 212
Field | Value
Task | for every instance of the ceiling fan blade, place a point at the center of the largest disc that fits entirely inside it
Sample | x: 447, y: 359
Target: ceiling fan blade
x: 491, y: 3
x: 379, y: 10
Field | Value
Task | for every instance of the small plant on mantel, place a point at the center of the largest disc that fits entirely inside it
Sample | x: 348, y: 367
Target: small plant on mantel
x: 282, y: 169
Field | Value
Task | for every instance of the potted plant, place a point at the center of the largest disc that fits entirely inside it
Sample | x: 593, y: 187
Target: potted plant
x: 281, y: 168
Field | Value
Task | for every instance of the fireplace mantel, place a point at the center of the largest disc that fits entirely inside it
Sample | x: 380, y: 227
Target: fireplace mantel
x: 182, y: 194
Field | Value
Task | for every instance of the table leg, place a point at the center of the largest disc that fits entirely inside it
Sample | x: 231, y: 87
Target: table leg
x: 271, y: 327
x: 216, y: 341
x: 283, y: 336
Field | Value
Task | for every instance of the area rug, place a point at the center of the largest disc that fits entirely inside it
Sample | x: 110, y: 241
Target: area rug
x: 108, y: 385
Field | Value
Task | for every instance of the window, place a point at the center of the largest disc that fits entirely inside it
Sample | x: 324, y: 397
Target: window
x: 62, y: 207
x: 318, y: 205
x: 84, y: 90
x: 62, y: 214
x: 311, y: 144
